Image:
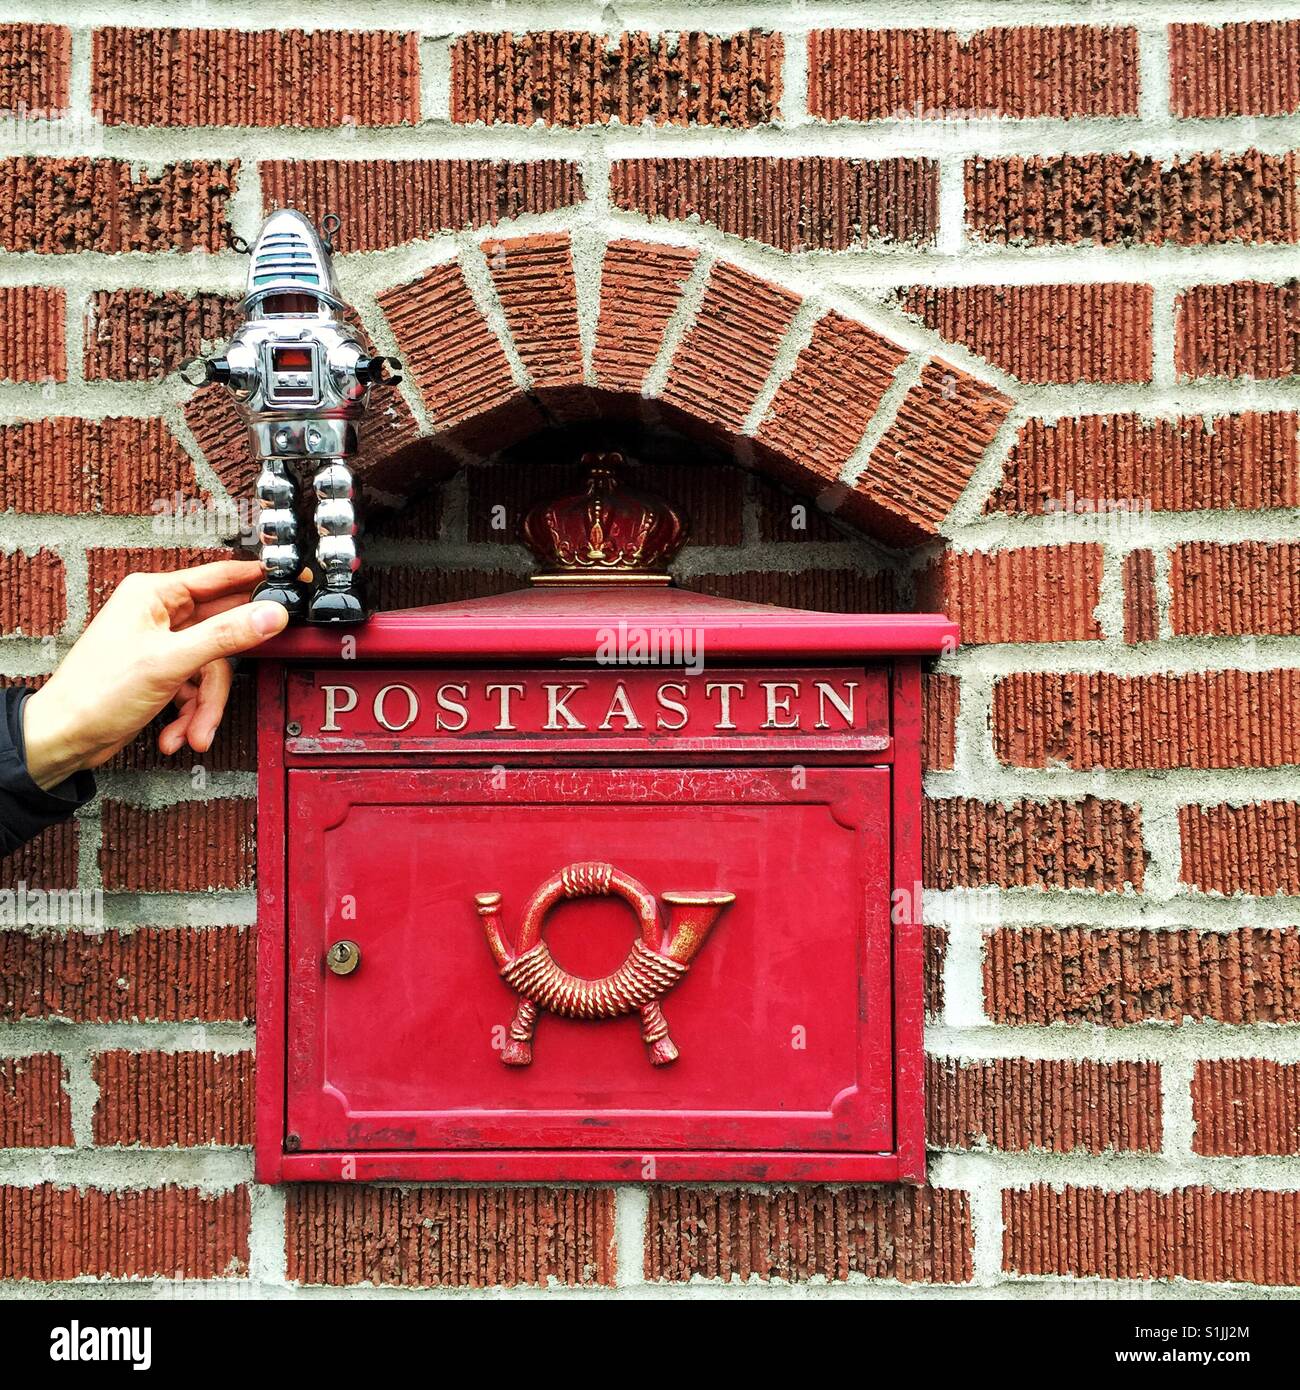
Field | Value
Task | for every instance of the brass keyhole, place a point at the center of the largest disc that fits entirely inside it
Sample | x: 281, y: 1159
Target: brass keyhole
x: 343, y: 957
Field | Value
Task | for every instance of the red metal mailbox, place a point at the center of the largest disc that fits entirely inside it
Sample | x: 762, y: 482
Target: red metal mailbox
x: 598, y: 880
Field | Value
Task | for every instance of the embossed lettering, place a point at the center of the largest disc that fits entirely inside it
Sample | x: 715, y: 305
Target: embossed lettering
x: 452, y: 707
x: 619, y: 708
x: 724, y: 689
x: 556, y: 707
x: 672, y: 706
x: 503, y: 724
x: 779, y: 704
x: 412, y: 707
x: 826, y: 691
x: 332, y: 707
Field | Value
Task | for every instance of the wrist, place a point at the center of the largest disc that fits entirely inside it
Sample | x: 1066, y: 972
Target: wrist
x: 52, y: 751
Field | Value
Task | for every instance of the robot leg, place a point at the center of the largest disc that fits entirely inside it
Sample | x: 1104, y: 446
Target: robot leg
x: 337, y: 598
x: 278, y: 534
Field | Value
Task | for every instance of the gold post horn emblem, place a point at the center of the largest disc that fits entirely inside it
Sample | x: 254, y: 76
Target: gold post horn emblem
x: 657, y: 961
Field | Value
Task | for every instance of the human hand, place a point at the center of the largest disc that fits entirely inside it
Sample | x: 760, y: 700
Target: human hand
x: 158, y: 638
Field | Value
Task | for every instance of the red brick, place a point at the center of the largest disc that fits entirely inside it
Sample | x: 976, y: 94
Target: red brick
x: 32, y: 348
x: 108, y: 567
x: 1042, y: 594
x: 1046, y: 333
x: 912, y: 1234
x: 162, y: 1100
x: 1253, y: 849
x: 1091, y: 843
x: 1125, y: 463
x: 418, y: 518
x: 1037, y: 976
x: 1113, y: 199
x: 234, y: 749
x: 812, y: 203
x: 34, y: 66
x: 116, y: 467
x: 1246, y: 1105
x: 1201, y: 720
x: 48, y: 861
x: 139, y: 335
x: 1019, y: 1104
x: 923, y: 461
x: 817, y: 417
x: 1141, y: 606
x: 456, y: 359
x: 1243, y: 329
x: 154, y: 974
x: 33, y: 597
x: 712, y: 500
x: 786, y: 514
x: 936, y: 953
x: 81, y: 204
x: 439, y: 1237
x: 385, y: 202
x: 1198, y: 1233
x: 221, y: 434
x: 1251, y: 587
x: 414, y: 586
x: 1245, y: 69
x: 263, y: 77
x: 35, y: 1111
x: 574, y: 79
x: 641, y: 286
x: 535, y: 283
x: 190, y: 847
x: 1072, y: 70
x: 940, y: 702
x: 50, y: 1234
x: 848, y: 590
x: 726, y: 357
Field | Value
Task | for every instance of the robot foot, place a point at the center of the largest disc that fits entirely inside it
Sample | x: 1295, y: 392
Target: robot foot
x: 284, y: 592
x: 335, y: 606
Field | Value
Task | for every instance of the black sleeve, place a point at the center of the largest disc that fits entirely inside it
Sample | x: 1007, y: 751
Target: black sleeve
x: 26, y: 810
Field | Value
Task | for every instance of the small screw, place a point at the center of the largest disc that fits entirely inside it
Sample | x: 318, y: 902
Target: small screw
x: 292, y: 1141
x: 293, y: 728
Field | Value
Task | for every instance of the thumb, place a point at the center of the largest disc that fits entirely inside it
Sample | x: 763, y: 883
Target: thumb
x: 227, y: 634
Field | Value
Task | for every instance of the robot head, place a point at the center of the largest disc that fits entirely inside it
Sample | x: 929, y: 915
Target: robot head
x: 297, y: 369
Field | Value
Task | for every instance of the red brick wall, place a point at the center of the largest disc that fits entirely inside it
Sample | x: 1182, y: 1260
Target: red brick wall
x: 1040, y: 369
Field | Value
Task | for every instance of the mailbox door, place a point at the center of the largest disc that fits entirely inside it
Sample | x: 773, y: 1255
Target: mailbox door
x: 782, y: 1020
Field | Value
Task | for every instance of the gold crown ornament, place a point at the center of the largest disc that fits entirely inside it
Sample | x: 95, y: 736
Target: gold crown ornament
x: 605, y: 533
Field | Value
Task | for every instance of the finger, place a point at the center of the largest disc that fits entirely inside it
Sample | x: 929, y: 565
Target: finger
x: 227, y: 634
x: 181, y: 590
x: 214, y: 688
x: 171, y: 737
x: 209, y: 608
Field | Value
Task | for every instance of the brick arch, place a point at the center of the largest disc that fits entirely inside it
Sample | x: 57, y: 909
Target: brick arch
x: 892, y: 435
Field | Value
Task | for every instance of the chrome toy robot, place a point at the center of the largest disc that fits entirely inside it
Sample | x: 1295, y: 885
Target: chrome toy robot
x: 302, y: 378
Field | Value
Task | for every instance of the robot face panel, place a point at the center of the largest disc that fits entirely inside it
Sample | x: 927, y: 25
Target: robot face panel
x: 292, y: 372
x: 288, y: 368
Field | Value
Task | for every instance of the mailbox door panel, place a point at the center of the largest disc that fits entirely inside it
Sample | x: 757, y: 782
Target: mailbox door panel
x: 782, y: 1019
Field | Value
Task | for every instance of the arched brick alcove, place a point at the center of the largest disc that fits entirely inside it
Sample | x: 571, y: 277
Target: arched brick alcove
x: 519, y: 338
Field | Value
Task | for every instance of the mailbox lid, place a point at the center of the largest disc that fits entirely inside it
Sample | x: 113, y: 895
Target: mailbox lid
x: 578, y: 622
x: 783, y: 1020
